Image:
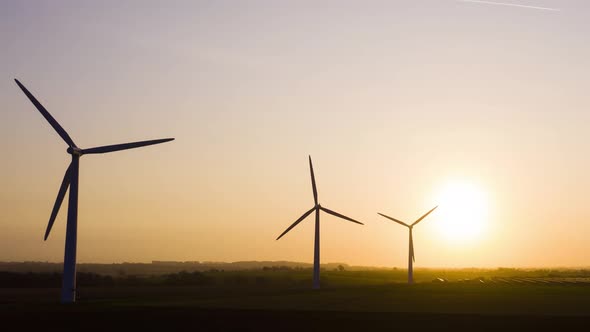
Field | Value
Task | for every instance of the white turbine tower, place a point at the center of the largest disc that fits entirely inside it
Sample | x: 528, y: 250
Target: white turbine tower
x: 411, y: 257
x: 68, y: 291
x: 317, y: 207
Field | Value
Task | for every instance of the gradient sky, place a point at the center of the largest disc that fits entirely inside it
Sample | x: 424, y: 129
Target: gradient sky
x: 392, y: 99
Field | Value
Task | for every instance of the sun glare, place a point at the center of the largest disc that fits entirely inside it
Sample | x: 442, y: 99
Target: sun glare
x: 463, y: 211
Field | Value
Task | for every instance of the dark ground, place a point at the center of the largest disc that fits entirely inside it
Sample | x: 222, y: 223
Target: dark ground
x: 182, y: 318
x: 349, y: 309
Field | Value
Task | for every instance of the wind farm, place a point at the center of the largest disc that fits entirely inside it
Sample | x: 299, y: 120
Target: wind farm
x: 448, y: 189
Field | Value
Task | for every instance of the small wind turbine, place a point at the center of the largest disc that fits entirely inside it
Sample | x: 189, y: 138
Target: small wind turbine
x: 411, y: 257
x: 68, y: 291
x: 317, y: 207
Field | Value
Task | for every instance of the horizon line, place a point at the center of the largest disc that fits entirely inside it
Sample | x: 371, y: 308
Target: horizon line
x: 311, y: 263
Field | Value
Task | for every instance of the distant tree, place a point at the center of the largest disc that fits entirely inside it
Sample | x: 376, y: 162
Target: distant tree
x: 341, y: 268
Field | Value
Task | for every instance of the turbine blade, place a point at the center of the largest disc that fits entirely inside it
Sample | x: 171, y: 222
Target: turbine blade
x: 339, y: 215
x: 393, y: 219
x: 424, y: 216
x: 412, y: 246
x: 315, y: 190
x: 124, y: 146
x: 296, y: 222
x: 64, y: 135
x: 65, y: 183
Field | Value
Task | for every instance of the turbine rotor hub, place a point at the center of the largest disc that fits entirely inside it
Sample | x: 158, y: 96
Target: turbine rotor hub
x: 74, y: 151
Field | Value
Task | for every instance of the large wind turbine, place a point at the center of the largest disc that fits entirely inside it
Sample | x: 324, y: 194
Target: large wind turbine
x: 317, y: 207
x: 411, y: 257
x: 68, y: 291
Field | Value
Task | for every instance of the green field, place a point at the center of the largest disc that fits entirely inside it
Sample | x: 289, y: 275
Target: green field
x: 378, y: 299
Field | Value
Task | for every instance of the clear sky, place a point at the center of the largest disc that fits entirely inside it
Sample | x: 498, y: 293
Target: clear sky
x: 394, y: 100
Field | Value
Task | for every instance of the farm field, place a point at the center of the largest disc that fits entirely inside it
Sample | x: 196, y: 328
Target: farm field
x: 265, y: 300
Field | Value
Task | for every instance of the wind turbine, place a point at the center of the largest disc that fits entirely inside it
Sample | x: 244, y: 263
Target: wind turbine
x: 317, y: 207
x: 411, y: 257
x: 68, y: 291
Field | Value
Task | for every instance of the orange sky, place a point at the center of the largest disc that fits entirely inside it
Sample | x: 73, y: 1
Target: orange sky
x: 393, y: 100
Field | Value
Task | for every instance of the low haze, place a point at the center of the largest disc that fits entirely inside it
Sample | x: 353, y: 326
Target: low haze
x: 403, y: 105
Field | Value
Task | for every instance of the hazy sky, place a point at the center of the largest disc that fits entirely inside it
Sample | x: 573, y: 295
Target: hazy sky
x: 392, y: 99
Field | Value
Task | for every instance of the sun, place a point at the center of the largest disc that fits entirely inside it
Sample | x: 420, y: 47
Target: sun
x: 463, y: 211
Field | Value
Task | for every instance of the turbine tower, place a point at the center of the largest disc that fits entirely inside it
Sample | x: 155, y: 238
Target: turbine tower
x: 68, y: 291
x: 317, y: 207
x: 411, y: 257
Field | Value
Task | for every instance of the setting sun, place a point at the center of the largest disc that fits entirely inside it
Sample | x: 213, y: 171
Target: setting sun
x: 463, y: 211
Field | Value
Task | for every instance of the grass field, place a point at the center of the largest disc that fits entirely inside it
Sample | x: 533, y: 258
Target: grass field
x: 471, y: 300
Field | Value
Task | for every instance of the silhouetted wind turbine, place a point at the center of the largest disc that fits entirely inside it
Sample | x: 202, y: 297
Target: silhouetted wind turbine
x: 411, y: 257
x: 68, y: 292
x: 317, y: 207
